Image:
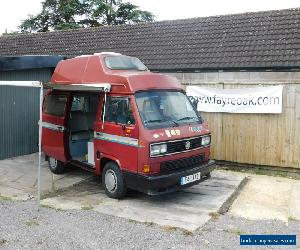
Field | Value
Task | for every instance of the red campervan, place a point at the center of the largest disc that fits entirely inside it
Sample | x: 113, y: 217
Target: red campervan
x: 107, y: 113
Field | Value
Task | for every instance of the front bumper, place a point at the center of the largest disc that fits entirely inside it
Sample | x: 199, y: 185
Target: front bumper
x: 161, y: 184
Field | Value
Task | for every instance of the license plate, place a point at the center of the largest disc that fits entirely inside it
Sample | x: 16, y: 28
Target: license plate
x: 190, y: 178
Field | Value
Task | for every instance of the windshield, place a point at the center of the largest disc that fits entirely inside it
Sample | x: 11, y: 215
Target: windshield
x: 160, y: 109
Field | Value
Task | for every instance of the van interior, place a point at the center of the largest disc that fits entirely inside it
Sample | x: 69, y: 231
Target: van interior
x: 82, y: 118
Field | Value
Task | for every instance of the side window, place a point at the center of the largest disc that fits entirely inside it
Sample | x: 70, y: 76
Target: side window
x: 117, y: 109
x: 55, y: 104
x: 85, y: 103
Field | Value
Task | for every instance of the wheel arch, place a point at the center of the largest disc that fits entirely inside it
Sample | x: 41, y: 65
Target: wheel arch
x: 105, y: 159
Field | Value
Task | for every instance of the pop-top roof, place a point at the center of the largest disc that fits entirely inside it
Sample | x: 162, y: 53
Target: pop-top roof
x: 93, y: 70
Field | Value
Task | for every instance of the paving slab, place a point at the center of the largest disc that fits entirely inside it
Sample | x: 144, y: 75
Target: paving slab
x: 188, y: 209
x: 268, y: 198
x: 18, y: 177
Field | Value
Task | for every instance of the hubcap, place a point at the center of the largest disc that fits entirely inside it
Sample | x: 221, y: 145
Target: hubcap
x: 110, y: 180
x: 53, y: 162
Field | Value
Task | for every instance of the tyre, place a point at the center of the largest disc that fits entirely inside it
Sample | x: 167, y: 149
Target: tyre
x: 113, y: 181
x: 55, y: 166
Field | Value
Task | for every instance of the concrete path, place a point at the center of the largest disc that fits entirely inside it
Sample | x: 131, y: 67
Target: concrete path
x: 18, y: 178
x: 188, y: 209
x: 266, y: 197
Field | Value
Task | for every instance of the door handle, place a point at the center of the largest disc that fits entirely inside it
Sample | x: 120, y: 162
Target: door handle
x: 60, y: 129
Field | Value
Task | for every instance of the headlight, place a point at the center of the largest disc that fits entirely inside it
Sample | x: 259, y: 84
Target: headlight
x: 158, y: 149
x: 205, y: 140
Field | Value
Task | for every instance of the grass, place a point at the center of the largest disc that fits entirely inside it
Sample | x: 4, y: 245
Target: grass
x: 46, y: 206
x: 32, y: 222
x: 2, y: 242
x: 5, y: 198
x: 148, y: 223
x: 51, y: 207
x: 235, y: 231
x: 214, y: 215
x: 292, y: 218
x: 275, y: 173
x: 169, y: 228
x: 55, y: 193
x: 87, y: 207
x: 263, y: 171
x: 165, y: 228
x: 187, y: 232
x: 133, y: 221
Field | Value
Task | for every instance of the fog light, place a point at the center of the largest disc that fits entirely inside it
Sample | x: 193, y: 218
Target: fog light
x: 146, y: 169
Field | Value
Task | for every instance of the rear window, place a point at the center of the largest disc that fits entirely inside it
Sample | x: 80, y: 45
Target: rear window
x: 124, y: 62
x: 55, y: 104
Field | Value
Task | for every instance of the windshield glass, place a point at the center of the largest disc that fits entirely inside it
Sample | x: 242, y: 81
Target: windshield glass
x: 160, y: 109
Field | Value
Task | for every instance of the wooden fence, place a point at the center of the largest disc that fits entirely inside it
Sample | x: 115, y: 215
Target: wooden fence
x: 262, y: 139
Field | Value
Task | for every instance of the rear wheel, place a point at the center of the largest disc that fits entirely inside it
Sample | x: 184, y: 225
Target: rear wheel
x: 113, y: 181
x: 55, y: 166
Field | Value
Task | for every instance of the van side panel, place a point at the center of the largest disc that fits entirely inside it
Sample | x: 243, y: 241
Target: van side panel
x: 53, y: 138
x: 116, y: 141
x: 113, y: 143
x: 55, y: 130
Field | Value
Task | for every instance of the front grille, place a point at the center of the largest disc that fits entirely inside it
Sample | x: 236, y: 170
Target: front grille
x: 181, y: 164
x: 180, y: 145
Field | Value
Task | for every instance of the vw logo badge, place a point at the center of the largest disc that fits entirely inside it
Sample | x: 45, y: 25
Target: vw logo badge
x: 187, y: 145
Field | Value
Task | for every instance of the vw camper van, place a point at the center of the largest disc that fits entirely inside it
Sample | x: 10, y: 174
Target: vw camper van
x: 108, y: 114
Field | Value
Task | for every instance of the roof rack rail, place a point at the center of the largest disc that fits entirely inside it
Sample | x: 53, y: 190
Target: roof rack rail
x: 108, y: 53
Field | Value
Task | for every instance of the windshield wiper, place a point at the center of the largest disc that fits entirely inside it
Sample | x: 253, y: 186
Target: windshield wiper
x: 175, y: 123
x: 186, y: 118
x: 155, y: 120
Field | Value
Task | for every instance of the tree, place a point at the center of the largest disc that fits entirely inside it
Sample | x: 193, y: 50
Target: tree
x: 56, y: 15
x: 129, y: 13
x: 72, y: 14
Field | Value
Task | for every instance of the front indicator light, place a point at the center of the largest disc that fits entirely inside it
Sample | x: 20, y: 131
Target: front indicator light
x: 146, y: 168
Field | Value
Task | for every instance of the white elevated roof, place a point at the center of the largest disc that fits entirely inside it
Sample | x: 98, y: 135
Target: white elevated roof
x: 108, y: 53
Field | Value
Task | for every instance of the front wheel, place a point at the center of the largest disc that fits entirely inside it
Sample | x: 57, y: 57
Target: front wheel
x: 55, y: 166
x: 113, y: 181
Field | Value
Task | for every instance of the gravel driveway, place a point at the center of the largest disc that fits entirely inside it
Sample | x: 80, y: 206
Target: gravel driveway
x: 24, y: 227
